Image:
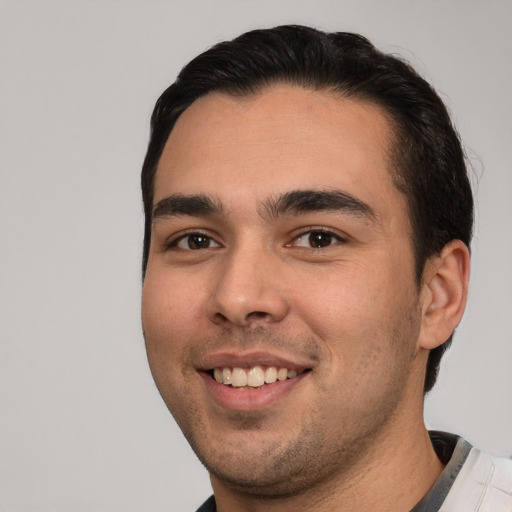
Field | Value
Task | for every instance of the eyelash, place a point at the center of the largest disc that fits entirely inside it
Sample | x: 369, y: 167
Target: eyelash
x: 208, y: 240
x: 311, y: 231
x: 188, y: 236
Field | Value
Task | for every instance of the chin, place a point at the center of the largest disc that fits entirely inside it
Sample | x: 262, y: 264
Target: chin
x: 252, y: 462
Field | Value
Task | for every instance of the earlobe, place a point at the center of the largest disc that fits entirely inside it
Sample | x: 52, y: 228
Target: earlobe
x: 444, y: 293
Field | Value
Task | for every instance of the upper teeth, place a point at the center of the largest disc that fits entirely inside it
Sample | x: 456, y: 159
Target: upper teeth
x: 254, y: 377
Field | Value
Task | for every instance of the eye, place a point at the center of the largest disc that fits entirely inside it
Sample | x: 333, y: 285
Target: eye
x: 317, y: 239
x: 194, y: 242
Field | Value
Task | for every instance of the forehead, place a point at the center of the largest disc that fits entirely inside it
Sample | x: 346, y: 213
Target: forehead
x: 284, y: 138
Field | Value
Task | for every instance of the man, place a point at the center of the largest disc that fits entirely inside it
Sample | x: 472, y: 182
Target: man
x: 306, y: 261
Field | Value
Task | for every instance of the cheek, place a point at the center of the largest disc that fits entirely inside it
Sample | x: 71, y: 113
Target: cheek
x: 166, y: 312
x: 167, y: 319
x: 338, y: 300
x: 171, y: 307
x: 356, y: 311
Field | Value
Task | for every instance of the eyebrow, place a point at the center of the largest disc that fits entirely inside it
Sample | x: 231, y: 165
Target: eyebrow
x: 295, y: 202
x: 309, y: 201
x: 193, y: 205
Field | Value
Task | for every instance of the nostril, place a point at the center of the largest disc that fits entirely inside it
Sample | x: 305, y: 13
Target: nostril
x: 257, y: 315
x: 221, y: 317
x: 263, y: 307
x: 254, y: 316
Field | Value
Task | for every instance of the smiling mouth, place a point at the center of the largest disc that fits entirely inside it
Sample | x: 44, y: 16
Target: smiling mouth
x: 254, y: 377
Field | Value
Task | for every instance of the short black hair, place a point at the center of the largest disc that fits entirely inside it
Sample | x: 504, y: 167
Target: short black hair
x: 427, y: 152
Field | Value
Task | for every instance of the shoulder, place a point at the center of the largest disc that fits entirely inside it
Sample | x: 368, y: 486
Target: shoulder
x: 484, y: 484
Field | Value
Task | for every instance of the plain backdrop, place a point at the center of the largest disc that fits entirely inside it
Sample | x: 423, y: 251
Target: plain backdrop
x: 82, y: 426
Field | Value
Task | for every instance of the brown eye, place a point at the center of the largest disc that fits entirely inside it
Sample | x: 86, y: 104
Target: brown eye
x: 317, y: 239
x: 196, y: 241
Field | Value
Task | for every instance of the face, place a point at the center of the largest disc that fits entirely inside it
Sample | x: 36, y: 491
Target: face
x: 280, y: 308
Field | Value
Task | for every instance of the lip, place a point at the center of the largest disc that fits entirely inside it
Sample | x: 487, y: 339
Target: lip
x: 250, y: 399
x: 251, y: 359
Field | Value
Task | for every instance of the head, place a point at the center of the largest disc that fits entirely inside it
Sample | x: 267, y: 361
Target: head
x: 286, y: 236
x: 429, y: 164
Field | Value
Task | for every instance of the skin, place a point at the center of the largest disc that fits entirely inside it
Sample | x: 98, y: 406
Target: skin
x: 348, y: 433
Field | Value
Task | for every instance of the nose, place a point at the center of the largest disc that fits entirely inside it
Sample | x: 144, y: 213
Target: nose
x: 247, y: 289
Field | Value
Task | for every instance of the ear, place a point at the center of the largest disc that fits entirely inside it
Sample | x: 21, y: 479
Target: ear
x: 444, y: 293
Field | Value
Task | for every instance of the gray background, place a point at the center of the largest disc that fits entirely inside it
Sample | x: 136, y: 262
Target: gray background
x: 82, y: 426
